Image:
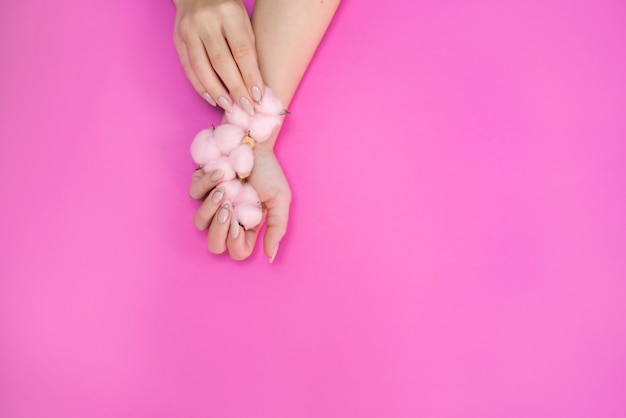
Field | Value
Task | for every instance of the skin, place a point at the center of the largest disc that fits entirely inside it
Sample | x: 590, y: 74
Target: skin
x: 285, y: 35
x: 216, y: 47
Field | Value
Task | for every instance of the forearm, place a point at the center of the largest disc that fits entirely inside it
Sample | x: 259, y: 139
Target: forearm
x: 287, y: 34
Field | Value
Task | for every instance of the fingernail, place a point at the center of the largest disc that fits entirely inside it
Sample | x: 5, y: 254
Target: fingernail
x: 274, y: 253
x: 234, y: 230
x: 217, y: 196
x: 216, y: 175
x: 225, y: 104
x: 209, y: 99
x: 247, y: 106
x: 222, y: 215
x: 256, y: 94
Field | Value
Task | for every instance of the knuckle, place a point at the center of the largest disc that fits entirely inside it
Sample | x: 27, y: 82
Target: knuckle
x: 204, y: 12
x: 228, y: 8
x: 220, y: 59
x: 195, y: 62
x: 184, y: 28
x: 242, y: 51
x: 196, y: 65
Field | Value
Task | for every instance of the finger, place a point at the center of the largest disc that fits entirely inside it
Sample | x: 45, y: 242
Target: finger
x: 226, y: 68
x: 203, y: 69
x: 206, y: 212
x: 240, y: 38
x: 202, y: 182
x: 218, y: 232
x: 241, y: 242
x: 181, y: 48
x: 277, y: 219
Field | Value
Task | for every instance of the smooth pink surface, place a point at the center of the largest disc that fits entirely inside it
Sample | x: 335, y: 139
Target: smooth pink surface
x: 457, y: 240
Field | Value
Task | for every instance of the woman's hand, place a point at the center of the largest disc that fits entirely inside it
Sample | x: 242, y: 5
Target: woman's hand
x: 270, y: 182
x: 224, y: 234
x: 216, y: 47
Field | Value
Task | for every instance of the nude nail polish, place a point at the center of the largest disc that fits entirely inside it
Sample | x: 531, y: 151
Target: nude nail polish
x: 209, y: 99
x: 256, y: 94
x: 274, y: 253
x: 222, y: 215
x: 217, y: 196
x: 225, y: 104
x: 247, y: 106
x: 216, y: 175
x: 234, y: 230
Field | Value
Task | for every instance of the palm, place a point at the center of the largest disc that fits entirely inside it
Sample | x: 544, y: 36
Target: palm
x: 271, y: 184
x: 268, y: 178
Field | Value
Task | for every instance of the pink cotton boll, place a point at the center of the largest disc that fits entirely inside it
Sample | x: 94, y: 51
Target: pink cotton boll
x: 248, y: 195
x: 248, y: 215
x: 221, y: 163
x: 271, y: 104
x: 203, y: 148
x: 227, y: 137
x: 232, y: 189
x: 242, y: 160
x: 238, y: 117
x: 262, y: 126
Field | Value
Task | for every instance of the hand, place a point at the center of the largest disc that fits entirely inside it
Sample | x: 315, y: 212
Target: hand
x: 270, y: 183
x: 216, y: 47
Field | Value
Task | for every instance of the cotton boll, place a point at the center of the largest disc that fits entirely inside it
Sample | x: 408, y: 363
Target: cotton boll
x: 203, y: 148
x: 248, y: 215
x: 247, y: 195
x: 271, y: 104
x: 227, y: 137
x: 232, y: 189
x: 238, y: 117
x: 242, y: 160
x: 262, y: 126
x: 221, y: 163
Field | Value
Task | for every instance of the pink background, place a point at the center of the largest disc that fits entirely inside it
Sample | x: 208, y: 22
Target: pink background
x: 457, y: 240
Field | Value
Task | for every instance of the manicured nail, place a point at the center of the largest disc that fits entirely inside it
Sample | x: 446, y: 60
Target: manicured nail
x: 256, y: 94
x: 222, y: 215
x: 217, y: 196
x: 234, y: 230
x: 225, y: 104
x: 247, y: 106
x: 209, y: 99
x: 274, y: 253
x: 216, y: 175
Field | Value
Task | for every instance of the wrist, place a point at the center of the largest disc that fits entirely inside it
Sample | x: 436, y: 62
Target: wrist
x: 269, y: 144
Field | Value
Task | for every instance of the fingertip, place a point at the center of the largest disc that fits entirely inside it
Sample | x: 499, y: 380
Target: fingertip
x: 271, y: 244
x: 257, y: 94
x: 274, y: 252
x: 199, y: 221
x: 235, y: 229
x: 216, y: 175
x: 209, y: 99
x: 225, y: 103
x: 240, y: 241
x: 194, y: 191
x: 218, y: 231
x: 277, y: 220
x: 203, y: 182
x: 245, y: 103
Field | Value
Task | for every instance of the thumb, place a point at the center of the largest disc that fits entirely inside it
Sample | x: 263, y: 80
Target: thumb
x: 277, y: 219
